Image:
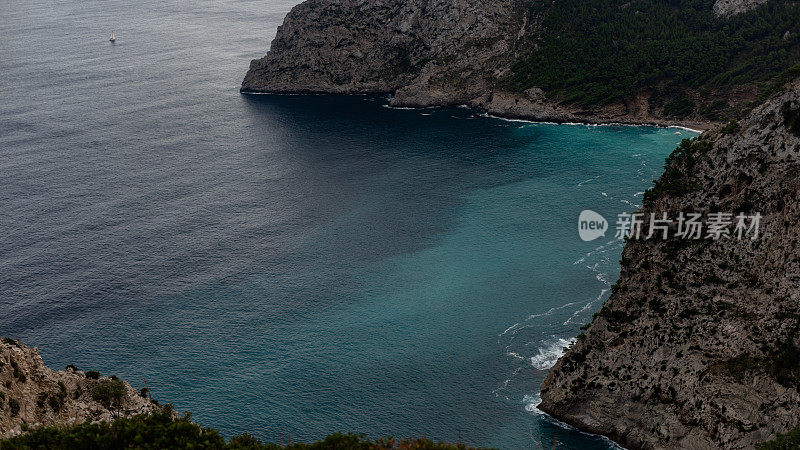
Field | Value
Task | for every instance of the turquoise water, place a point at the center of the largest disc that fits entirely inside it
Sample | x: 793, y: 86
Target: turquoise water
x: 292, y: 266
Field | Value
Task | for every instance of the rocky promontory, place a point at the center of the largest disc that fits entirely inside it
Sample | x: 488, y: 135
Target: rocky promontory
x: 489, y: 55
x: 422, y: 53
x: 699, y: 344
x: 33, y: 395
x: 426, y: 52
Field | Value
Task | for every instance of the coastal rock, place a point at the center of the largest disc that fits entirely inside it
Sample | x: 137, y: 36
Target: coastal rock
x: 423, y: 53
x: 33, y: 395
x: 728, y: 8
x: 699, y: 344
x: 439, y: 51
x: 513, y: 106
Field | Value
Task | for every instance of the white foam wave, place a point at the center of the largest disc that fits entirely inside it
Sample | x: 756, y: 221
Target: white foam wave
x: 550, y: 311
x: 687, y: 129
x: 398, y: 107
x: 611, y: 444
x: 515, y: 355
x: 586, y: 124
x: 550, y: 352
x: 532, y: 401
x: 587, y: 306
x: 511, y: 328
x: 587, y: 181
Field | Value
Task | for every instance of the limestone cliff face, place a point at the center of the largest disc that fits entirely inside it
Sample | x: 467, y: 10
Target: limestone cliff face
x: 32, y: 394
x: 424, y: 53
x: 699, y: 344
x: 427, y: 51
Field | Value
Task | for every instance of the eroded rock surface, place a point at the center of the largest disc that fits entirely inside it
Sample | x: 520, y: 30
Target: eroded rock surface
x: 31, y: 394
x: 699, y: 344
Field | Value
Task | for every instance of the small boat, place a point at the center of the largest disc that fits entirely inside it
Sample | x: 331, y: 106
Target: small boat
x: 112, y: 38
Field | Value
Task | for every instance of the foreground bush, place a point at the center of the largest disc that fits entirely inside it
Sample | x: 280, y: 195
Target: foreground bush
x: 163, y: 430
x: 788, y: 441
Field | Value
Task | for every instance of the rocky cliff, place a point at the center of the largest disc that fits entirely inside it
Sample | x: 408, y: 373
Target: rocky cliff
x: 699, y: 344
x: 498, y: 56
x: 425, y: 53
x: 32, y: 394
x: 428, y: 52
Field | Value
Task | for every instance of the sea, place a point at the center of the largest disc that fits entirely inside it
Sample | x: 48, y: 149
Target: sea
x: 293, y: 266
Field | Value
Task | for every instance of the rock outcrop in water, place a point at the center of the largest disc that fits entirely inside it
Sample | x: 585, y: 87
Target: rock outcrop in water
x: 699, y: 344
x: 32, y: 394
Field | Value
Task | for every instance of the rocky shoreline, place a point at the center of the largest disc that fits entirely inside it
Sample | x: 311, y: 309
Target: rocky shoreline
x: 699, y: 344
x: 513, y: 107
x: 440, y: 53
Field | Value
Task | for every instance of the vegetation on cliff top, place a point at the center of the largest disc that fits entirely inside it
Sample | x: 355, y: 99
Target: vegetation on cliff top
x: 595, y: 52
x: 788, y: 441
x: 163, y: 430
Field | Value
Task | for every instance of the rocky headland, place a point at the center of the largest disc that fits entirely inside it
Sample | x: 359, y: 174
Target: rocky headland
x: 699, y: 344
x: 33, y: 395
x: 457, y: 52
x: 423, y: 54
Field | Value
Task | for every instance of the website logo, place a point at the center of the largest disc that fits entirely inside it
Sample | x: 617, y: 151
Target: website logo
x: 694, y: 225
x: 591, y: 225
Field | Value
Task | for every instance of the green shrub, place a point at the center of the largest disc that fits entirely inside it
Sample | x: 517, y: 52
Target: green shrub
x: 788, y: 441
x: 55, y: 403
x: 791, y: 118
x: 15, y: 366
x: 109, y: 393
x: 40, y: 402
x: 13, y: 404
x: 679, y: 174
x: 595, y: 51
x: 12, y: 342
x: 680, y: 107
x: 162, y: 430
x: 93, y: 374
x: 732, y: 127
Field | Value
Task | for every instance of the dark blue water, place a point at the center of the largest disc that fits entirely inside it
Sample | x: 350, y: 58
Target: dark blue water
x: 291, y: 266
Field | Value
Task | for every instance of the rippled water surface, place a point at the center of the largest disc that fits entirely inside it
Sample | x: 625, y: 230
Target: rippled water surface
x: 291, y: 266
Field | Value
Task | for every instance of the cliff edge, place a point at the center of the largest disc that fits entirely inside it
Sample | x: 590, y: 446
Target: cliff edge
x: 699, y: 344
x: 427, y: 52
x: 33, y: 395
x: 650, y: 63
